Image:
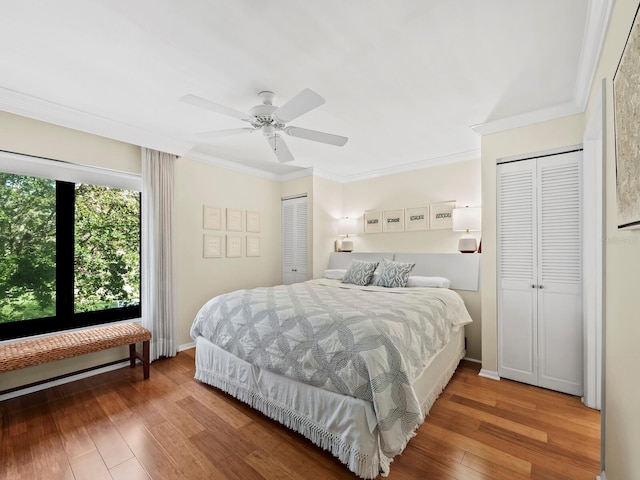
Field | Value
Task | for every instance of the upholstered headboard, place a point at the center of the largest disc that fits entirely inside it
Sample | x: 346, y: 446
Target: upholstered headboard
x: 462, y: 269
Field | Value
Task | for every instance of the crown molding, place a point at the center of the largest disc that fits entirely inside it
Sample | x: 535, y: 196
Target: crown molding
x: 529, y: 118
x: 54, y: 113
x: 408, y: 167
x: 233, y: 166
x: 597, y: 22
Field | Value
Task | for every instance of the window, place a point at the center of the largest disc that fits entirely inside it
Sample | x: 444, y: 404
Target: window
x: 70, y: 242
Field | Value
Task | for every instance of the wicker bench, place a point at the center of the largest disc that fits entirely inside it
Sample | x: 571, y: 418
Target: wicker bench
x: 28, y: 353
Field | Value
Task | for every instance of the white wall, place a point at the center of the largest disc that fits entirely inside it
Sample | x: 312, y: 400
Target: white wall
x: 458, y: 182
x: 622, y: 267
x: 199, y: 279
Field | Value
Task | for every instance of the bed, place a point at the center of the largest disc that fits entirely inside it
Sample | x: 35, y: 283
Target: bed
x: 354, y: 368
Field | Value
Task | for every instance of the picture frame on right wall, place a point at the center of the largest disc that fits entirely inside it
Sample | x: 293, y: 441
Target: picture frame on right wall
x: 626, y: 91
x: 441, y: 215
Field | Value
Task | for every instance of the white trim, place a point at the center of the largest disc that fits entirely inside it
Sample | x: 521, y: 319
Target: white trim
x: 469, y: 359
x: 602, y: 476
x: 593, y: 249
x: 50, y: 112
x: 229, y: 165
x: 186, y: 346
x: 409, y: 167
x: 542, y: 153
x: 21, y: 164
x: 62, y: 381
x: 492, y: 374
x: 598, y: 15
x: 529, y: 118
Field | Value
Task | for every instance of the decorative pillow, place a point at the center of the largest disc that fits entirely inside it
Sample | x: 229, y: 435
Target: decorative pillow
x: 359, y: 272
x: 394, y: 274
x: 335, y: 274
x: 435, y: 282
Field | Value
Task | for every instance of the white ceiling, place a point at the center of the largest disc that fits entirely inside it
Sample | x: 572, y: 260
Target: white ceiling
x: 404, y: 79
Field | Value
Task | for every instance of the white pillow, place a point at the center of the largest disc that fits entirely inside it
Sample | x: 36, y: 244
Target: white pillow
x: 437, y: 282
x: 335, y: 274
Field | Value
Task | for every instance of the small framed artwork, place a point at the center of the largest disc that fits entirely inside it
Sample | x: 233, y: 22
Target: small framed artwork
x: 211, y: 246
x: 234, y: 246
x: 416, y: 218
x: 253, y: 246
x: 373, y: 221
x: 234, y: 220
x: 440, y: 214
x: 211, y: 218
x: 393, y: 220
x: 253, y: 221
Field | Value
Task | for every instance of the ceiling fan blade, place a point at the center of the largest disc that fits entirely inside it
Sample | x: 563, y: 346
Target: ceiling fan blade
x: 280, y: 149
x: 316, y: 136
x: 302, y: 103
x: 225, y: 133
x: 214, y: 107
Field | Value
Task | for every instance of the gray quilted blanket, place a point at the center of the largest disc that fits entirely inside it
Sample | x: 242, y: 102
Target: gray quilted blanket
x: 366, y: 342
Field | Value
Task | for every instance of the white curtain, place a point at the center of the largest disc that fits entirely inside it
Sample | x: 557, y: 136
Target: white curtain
x: 158, y: 307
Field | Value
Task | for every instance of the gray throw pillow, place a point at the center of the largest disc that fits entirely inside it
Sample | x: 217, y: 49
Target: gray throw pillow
x: 359, y: 272
x: 394, y: 274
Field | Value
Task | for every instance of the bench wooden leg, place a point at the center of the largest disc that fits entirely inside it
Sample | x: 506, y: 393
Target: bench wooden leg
x: 145, y: 359
x: 132, y: 355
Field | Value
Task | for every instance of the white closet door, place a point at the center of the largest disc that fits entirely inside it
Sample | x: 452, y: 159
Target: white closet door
x: 517, y: 272
x: 560, y: 337
x: 294, y: 240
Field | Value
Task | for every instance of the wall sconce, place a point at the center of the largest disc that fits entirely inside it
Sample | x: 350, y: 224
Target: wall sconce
x: 467, y: 219
x: 346, y: 226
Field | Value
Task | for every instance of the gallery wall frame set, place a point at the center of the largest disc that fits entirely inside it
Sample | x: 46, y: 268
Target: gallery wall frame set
x: 436, y: 216
x: 217, y: 245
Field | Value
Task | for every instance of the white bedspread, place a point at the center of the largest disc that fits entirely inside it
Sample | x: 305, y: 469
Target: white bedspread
x: 367, y: 342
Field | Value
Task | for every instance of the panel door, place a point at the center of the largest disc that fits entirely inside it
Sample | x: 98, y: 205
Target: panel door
x: 517, y: 272
x: 560, y: 335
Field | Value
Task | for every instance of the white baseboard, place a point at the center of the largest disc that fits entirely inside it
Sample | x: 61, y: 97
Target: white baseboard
x: 472, y: 360
x: 602, y: 476
x: 493, y: 375
x: 62, y: 381
x: 186, y: 346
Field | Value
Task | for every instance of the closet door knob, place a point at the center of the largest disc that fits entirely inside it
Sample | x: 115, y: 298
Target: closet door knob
x: 533, y: 286
x: 540, y: 287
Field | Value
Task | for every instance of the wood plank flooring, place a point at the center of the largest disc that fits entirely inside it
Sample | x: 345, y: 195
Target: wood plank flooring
x: 115, y: 426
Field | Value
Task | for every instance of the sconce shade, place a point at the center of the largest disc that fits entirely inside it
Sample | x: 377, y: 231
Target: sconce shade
x: 347, y: 226
x: 467, y: 219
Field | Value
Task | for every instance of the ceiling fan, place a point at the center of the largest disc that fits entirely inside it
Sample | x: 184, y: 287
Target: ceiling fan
x: 271, y: 120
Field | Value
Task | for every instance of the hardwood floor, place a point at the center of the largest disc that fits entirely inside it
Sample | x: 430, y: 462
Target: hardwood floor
x: 117, y: 426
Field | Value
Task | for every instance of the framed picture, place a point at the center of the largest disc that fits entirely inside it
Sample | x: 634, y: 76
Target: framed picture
x: 253, y: 246
x: 626, y: 91
x: 234, y: 246
x: 440, y: 215
x: 416, y: 218
x: 234, y: 220
x: 253, y: 221
x: 393, y: 220
x: 211, y: 218
x: 211, y: 246
x: 373, y: 221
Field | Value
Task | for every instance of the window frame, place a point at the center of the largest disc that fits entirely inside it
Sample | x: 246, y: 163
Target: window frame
x: 66, y: 176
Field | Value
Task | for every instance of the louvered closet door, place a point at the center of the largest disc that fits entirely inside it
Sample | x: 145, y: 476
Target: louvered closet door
x: 517, y: 272
x: 560, y: 339
x: 294, y: 240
